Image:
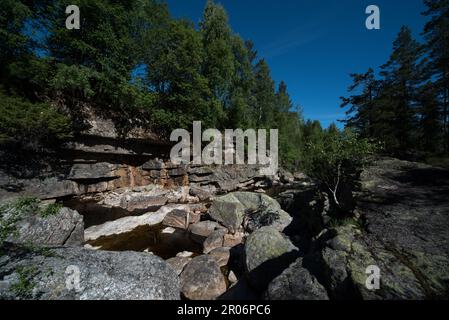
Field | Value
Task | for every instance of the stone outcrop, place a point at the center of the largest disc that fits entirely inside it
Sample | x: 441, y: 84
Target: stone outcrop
x: 103, y: 275
x: 404, y: 211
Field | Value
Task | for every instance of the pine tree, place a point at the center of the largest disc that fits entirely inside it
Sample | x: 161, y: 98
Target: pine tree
x: 362, y: 111
x: 239, y: 113
x: 218, y: 64
x: 430, y: 125
x: 436, y: 32
x: 263, y: 107
x: 402, y: 74
x: 289, y: 122
x: 174, y: 71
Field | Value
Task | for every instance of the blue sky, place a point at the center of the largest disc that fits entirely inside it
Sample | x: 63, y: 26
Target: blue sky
x: 313, y: 45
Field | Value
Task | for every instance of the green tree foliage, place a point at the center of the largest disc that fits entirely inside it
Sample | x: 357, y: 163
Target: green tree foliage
x: 290, y: 125
x: 403, y: 105
x: 31, y: 125
x: 436, y: 32
x: 430, y: 126
x: 336, y: 160
x: 130, y: 61
x: 240, y: 98
x: 263, y: 107
x: 402, y: 75
x: 174, y: 62
x: 362, y: 110
x: 410, y: 102
x: 218, y: 65
x: 101, y: 55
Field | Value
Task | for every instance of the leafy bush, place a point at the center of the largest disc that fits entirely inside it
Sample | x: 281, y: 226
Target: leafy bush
x: 337, y: 159
x: 31, y: 125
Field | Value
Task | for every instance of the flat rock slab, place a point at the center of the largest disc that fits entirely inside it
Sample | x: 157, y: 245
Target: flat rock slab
x: 405, y: 206
x: 127, y: 224
x: 103, y: 275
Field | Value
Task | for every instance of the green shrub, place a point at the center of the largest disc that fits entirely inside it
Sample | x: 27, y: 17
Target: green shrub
x: 31, y: 125
x: 337, y: 159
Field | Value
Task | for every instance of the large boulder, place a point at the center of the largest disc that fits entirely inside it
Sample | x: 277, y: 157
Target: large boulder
x: 202, y: 279
x: 296, y: 283
x: 228, y: 210
x: 63, y: 228
x: 52, y: 275
x: 268, y: 252
x: 266, y: 244
x: 260, y: 210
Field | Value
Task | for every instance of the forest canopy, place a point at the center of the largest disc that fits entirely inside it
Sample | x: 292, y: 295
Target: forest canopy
x: 134, y: 63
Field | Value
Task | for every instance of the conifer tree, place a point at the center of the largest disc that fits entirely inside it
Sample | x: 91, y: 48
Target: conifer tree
x: 218, y: 64
x: 402, y: 75
x: 436, y: 33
